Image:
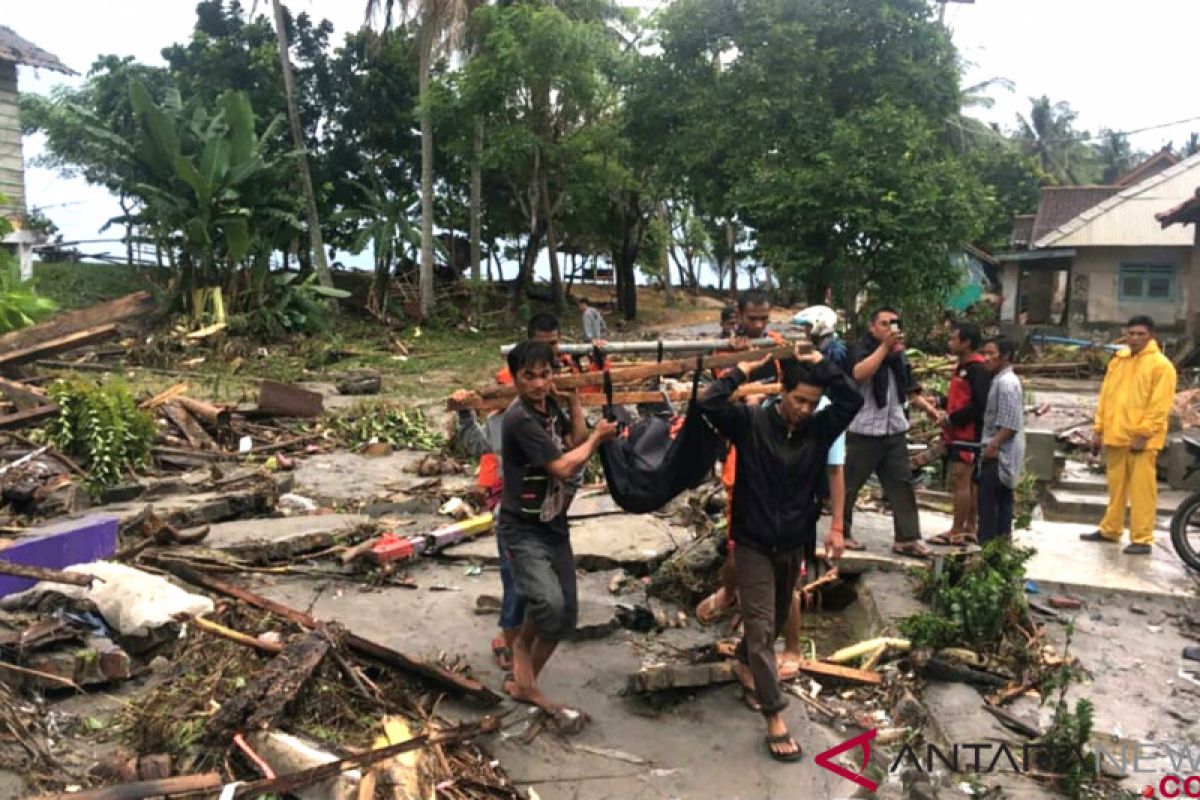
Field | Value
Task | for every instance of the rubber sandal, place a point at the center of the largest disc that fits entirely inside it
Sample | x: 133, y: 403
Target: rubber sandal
x: 502, y: 653
x: 750, y: 698
x: 852, y: 544
x: 945, y: 539
x: 912, y: 550
x: 787, y: 758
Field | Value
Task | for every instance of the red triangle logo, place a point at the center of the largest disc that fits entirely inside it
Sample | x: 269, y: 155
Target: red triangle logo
x: 860, y: 742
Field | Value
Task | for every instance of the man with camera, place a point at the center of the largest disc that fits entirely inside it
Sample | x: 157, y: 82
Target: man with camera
x: 877, y: 439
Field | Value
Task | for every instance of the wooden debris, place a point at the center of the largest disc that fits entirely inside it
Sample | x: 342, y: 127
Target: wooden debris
x: 20, y: 419
x: 237, y: 636
x: 209, y: 783
x: 645, y: 372
x: 44, y: 574
x: 366, y: 381
x: 1011, y: 722
x: 164, y: 396
x: 593, y: 400
x: 289, y: 401
x: 364, y: 647
x: 197, y: 437
x: 215, y: 417
x: 866, y: 648
x: 22, y: 396
x: 286, y: 784
x: 63, y: 344
x: 259, y: 704
x: 127, y: 307
x: 823, y: 670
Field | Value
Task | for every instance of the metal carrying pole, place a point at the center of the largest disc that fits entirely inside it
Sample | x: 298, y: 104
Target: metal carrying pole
x: 654, y: 346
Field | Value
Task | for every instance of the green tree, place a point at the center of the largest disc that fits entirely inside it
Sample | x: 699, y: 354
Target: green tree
x: 1191, y: 145
x: 1049, y: 135
x: 1114, y: 155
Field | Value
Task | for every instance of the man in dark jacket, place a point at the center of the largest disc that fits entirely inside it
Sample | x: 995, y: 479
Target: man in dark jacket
x: 782, y: 453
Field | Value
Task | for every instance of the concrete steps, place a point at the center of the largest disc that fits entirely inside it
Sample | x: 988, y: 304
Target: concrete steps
x: 1074, y: 502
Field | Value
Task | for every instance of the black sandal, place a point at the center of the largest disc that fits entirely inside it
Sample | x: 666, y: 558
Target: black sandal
x: 784, y: 738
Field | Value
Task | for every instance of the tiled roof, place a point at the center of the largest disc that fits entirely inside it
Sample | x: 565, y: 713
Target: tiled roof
x: 1062, y: 204
x: 22, y: 51
x: 1163, y: 159
x: 1022, y: 231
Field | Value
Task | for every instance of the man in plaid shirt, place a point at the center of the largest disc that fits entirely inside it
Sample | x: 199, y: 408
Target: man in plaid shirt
x: 1003, y: 457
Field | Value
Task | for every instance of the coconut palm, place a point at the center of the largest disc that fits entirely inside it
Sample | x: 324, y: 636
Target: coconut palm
x: 1191, y: 145
x: 440, y: 25
x: 1048, y: 135
x: 1114, y: 155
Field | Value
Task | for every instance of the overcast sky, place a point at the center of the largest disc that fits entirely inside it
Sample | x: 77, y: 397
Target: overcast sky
x: 1120, y: 65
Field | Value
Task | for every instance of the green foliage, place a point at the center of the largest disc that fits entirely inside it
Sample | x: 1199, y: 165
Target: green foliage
x: 289, y: 306
x: 102, y: 424
x: 20, y: 304
x: 1067, y: 739
x: 383, y: 421
x: 974, y: 598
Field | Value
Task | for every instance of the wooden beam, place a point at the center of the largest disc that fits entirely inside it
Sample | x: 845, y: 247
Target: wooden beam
x: 208, y: 783
x: 647, y: 371
x: 46, y: 574
x: 287, y: 400
x: 22, y: 418
x: 53, y: 347
x: 823, y: 670
x: 197, y: 437
x: 22, y: 396
x: 132, y: 305
x: 592, y: 399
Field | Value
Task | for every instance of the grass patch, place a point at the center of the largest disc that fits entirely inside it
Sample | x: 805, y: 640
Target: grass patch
x: 74, y: 285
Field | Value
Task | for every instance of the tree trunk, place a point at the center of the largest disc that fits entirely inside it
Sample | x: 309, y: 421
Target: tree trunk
x: 556, y: 286
x: 426, y: 272
x: 668, y: 295
x: 310, y: 198
x: 533, y: 246
x: 476, y: 198
x: 731, y: 243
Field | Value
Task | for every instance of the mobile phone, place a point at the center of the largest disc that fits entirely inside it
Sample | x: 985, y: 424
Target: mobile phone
x: 896, y: 325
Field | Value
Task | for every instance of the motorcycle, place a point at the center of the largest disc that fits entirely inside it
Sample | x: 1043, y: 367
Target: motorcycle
x: 1185, y: 522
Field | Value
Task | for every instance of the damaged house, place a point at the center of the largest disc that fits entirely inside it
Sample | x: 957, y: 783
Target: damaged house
x: 1093, y: 256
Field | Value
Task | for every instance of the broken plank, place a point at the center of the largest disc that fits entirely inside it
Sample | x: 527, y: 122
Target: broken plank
x: 641, y: 373
x: 45, y: 574
x: 197, y: 437
x: 289, y: 401
x: 262, y: 701
x: 63, y: 344
x: 365, y: 647
x: 29, y: 416
x: 165, y: 395
x: 209, y: 783
x: 823, y: 670
x: 663, y: 677
x: 619, y: 398
x: 22, y: 396
x: 131, y: 305
x: 215, y: 628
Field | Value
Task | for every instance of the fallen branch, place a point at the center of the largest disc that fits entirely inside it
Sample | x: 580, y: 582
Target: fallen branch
x: 217, y: 629
x: 208, y: 782
x: 45, y: 574
x: 365, y: 647
x: 1011, y: 722
x: 37, y: 673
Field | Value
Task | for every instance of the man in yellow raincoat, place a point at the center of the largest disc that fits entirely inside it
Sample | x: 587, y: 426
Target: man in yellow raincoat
x: 1131, y: 424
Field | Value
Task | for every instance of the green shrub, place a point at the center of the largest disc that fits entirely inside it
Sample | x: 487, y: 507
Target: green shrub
x: 103, y: 425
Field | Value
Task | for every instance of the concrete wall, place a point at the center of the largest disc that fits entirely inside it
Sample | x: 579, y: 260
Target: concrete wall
x: 12, y: 183
x: 1010, y: 277
x: 1101, y: 266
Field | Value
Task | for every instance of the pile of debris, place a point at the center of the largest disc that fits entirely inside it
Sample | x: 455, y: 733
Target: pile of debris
x: 237, y: 689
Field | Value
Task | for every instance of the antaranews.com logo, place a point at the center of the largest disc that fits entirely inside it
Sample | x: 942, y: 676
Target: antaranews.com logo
x: 1175, y: 766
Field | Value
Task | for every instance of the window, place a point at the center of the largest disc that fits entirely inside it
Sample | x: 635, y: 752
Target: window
x: 1146, y: 283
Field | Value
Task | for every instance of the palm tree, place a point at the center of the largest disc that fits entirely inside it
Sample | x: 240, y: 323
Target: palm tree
x: 1114, y: 155
x: 1048, y: 136
x: 1191, y: 145
x: 440, y: 27
x: 320, y: 264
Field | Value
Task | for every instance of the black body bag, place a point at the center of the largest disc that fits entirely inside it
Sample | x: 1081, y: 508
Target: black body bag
x: 658, y: 457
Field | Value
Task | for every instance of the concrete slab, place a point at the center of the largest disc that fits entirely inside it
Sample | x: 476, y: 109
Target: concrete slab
x: 637, y: 543
x: 341, y: 478
x: 58, y: 545
x: 253, y: 531
x: 1072, y: 505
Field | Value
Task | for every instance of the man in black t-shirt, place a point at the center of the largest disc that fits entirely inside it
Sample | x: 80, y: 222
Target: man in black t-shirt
x: 542, y: 450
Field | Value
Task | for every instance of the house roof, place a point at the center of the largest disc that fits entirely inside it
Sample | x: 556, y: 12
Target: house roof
x: 1061, y: 204
x: 1099, y: 225
x: 1186, y: 213
x: 22, y: 51
x: 1022, y: 231
x: 1163, y: 159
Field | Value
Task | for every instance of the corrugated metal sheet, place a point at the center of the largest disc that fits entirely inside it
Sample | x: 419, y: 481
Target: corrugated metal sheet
x: 1127, y: 219
x: 17, y: 50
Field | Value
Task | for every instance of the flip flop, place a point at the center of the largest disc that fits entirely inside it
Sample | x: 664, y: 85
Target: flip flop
x: 707, y: 614
x: 502, y: 653
x: 953, y: 540
x: 784, y: 738
x: 750, y: 698
x: 852, y: 544
x: 912, y: 550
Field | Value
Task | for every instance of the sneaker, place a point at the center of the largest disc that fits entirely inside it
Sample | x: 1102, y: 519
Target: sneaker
x: 1096, y: 536
x: 1137, y: 550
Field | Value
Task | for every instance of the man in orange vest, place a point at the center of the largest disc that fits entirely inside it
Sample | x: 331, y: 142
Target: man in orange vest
x: 1131, y: 424
x: 966, y: 400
